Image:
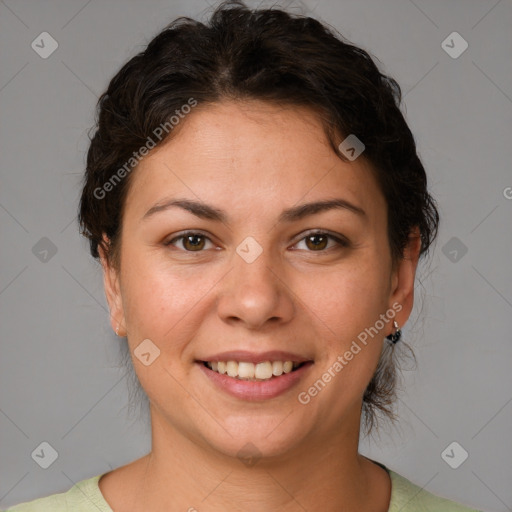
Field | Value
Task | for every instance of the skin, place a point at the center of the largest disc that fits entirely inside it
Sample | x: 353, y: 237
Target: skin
x: 253, y: 160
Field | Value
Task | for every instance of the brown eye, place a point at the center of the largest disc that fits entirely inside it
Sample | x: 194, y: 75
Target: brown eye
x: 317, y: 241
x: 193, y: 242
x: 190, y: 242
x: 321, y: 241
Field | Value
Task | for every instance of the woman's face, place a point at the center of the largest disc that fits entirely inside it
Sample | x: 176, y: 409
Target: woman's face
x: 255, y: 281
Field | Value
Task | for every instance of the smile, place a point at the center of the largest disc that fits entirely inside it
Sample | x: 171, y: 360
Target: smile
x: 243, y: 370
x: 258, y: 381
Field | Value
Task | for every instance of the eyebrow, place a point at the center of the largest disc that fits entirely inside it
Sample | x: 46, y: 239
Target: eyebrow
x: 295, y: 213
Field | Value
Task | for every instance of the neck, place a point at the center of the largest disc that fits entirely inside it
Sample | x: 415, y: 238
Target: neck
x: 181, y: 473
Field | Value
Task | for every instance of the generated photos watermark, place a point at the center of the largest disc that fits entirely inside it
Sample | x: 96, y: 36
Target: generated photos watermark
x: 159, y: 133
x: 304, y: 397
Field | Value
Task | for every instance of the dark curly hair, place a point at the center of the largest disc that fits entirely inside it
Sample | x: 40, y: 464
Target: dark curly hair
x: 274, y: 56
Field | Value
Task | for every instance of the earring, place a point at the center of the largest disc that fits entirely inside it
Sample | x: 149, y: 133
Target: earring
x: 395, y: 337
x: 117, y: 330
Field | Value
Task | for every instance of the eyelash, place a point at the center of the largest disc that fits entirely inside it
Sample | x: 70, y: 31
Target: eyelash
x: 342, y: 243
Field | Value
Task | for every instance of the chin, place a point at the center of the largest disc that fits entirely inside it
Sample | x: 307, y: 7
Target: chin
x: 256, y: 439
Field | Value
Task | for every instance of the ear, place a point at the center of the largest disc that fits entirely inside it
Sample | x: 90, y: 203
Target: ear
x: 112, y: 291
x: 402, y: 281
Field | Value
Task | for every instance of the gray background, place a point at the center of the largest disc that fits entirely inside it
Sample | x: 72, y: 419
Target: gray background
x: 61, y: 377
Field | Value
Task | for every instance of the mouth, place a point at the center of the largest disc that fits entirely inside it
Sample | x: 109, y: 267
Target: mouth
x: 254, y: 372
x: 267, y: 376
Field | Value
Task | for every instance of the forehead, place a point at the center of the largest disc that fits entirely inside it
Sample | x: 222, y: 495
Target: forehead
x: 235, y: 152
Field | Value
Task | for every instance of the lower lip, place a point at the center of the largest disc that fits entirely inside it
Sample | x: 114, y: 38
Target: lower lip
x: 256, y: 390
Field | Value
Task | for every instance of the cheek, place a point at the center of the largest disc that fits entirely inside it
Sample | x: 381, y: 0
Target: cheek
x: 345, y: 305
x: 164, y: 302
x: 161, y: 305
x: 347, y: 299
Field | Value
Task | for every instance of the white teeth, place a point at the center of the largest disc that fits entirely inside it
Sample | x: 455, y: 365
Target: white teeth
x: 249, y: 371
x: 277, y: 368
x: 287, y: 367
x: 246, y: 370
x: 232, y: 368
x: 263, y: 370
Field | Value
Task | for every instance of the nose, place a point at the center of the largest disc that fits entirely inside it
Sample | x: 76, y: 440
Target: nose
x: 255, y: 294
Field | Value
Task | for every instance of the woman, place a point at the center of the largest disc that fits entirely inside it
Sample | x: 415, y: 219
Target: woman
x: 255, y: 198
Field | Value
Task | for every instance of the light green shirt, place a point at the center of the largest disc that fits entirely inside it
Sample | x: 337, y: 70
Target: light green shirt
x: 85, y: 496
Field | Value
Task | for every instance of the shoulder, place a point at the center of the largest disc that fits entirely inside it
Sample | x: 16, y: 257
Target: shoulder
x: 409, y: 497
x: 84, y: 496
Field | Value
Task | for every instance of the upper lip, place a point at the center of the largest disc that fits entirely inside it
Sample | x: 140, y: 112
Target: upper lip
x: 256, y: 357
